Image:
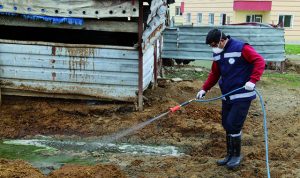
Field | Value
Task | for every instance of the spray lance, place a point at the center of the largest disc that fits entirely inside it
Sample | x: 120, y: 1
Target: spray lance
x: 176, y: 108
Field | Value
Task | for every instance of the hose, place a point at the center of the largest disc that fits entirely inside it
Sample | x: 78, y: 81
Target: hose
x: 222, y: 96
x: 265, y: 130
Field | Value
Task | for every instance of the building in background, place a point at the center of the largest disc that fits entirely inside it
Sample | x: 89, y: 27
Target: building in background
x: 280, y: 13
x: 176, y: 11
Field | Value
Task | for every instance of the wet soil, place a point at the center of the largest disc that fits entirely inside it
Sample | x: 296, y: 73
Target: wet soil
x: 18, y: 168
x: 196, y: 128
x: 105, y: 171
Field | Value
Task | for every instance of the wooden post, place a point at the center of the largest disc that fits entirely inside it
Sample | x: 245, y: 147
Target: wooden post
x: 0, y: 97
x: 282, y: 66
x: 140, y: 48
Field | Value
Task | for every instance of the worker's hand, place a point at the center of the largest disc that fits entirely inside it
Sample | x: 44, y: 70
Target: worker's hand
x: 249, y: 86
x: 200, y: 94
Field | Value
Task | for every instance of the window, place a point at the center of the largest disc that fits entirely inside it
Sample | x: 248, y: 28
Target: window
x: 254, y: 18
x: 222, y: 19
x: 248, y: 18
x: 211, y: 18
x: 188, y: 17
x: 285, y: 20
x: 199, y: 18
x: 178, y: 10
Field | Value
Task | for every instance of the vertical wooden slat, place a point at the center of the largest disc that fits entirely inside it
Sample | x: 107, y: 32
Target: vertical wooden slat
x: 0, y: 97
x: 140, y: 33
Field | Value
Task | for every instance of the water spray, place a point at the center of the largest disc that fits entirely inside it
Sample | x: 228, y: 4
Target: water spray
x: 117, y: 136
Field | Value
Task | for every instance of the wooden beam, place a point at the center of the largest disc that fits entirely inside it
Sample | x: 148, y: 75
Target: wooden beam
x: 89, y: 24
x: 0, y: 97
x: 140, y: 37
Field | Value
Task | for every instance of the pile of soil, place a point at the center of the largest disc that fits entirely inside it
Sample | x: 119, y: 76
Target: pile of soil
x: 18, y: 168
x: 101, y: 171
x: 293, y: 66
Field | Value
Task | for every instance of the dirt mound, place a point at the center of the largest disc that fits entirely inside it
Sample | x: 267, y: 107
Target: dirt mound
x: 292, y: 66
x: 99, y: 171
x: 18, y: 168
x: 31, y: 116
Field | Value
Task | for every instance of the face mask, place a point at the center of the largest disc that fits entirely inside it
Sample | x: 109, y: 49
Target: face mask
x: 217, y: 50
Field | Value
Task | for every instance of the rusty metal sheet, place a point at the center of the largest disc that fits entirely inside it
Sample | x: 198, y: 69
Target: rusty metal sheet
x: 155, y: 23
x: 66, y: 90
x: 148, y: 67
x: 95, y: 72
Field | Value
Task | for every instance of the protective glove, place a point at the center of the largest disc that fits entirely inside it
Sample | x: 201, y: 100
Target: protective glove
x: 200, y: 94
x: 249, y: 86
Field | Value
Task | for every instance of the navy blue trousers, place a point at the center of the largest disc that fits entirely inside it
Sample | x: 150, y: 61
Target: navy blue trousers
x: 234, y: 115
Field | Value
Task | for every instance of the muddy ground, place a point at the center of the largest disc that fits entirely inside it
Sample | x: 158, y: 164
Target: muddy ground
x: 196, y: 128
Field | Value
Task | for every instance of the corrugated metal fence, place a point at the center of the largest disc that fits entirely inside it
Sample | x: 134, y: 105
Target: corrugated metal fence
x: 188, y: 43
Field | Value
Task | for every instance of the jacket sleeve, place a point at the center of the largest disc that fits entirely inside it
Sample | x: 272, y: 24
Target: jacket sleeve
x: 213, y: 77
x: 251, y: 56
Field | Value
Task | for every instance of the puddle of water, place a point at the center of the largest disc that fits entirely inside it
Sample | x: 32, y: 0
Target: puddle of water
x: 49, y: 154
x: 45, y: 159
x: 54, y: 145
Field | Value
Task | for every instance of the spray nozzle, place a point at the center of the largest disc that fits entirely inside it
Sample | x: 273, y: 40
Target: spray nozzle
x: 176, y: 108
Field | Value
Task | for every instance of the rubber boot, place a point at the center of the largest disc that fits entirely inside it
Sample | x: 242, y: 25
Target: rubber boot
x: 236, y: 158
x: 224, y: 161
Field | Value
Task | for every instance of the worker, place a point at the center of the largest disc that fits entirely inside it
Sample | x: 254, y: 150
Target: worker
x: 235, y: 64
